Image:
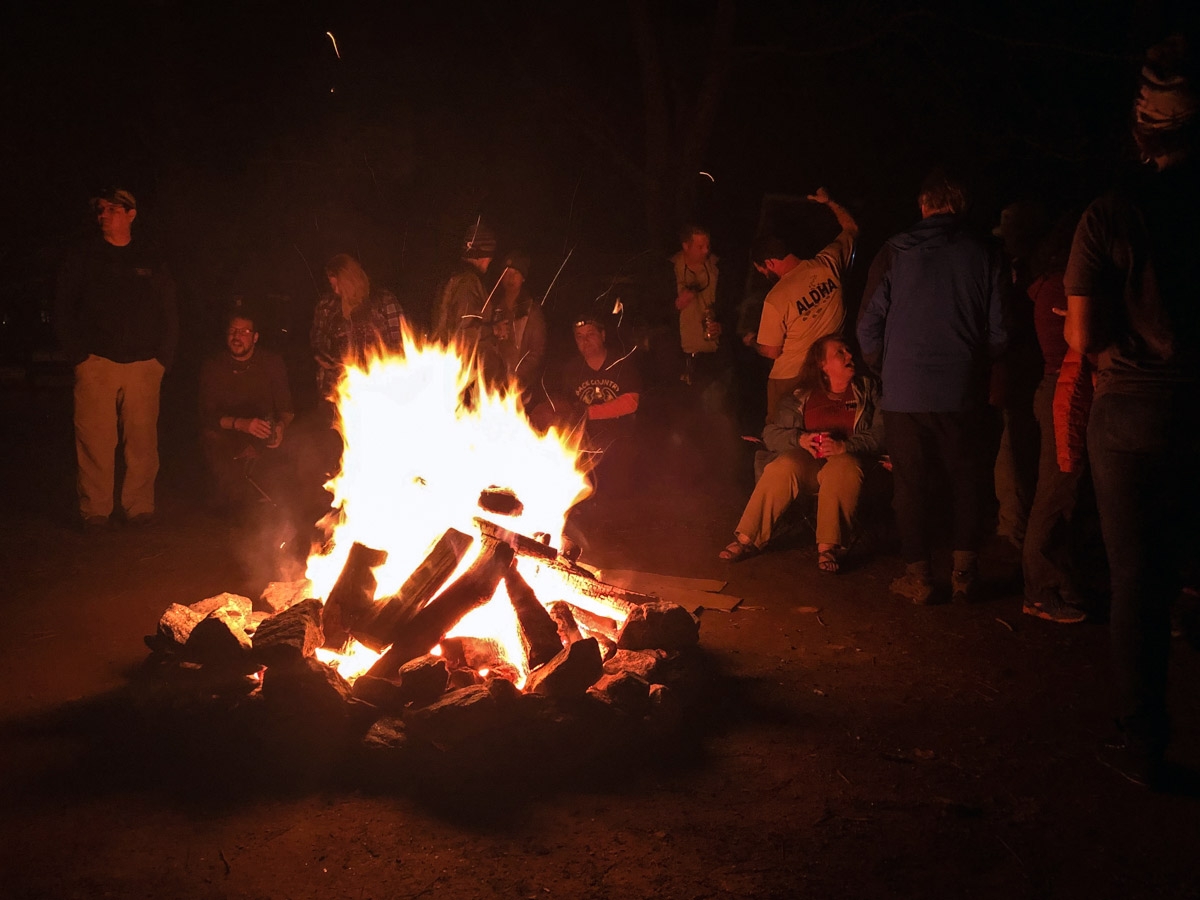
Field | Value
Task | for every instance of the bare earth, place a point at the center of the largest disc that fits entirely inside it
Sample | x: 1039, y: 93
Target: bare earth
x: 843, y: 743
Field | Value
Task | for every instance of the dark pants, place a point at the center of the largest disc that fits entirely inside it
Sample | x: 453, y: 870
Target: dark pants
x: 1144, y: 453
x: 925, y: 449
x: 1047, y: 559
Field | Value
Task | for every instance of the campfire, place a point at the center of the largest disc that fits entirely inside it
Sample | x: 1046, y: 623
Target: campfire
x: 444, y: 584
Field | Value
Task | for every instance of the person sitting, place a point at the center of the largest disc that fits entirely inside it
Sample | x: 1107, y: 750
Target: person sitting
x: 602, y: 391
x: 824, y: 438
x: 245, y: 408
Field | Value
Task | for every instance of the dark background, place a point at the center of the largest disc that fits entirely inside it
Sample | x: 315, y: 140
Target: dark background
x: 256, y: 152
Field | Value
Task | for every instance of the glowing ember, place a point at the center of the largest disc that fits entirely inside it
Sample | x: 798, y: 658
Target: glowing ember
x: 416, y: 460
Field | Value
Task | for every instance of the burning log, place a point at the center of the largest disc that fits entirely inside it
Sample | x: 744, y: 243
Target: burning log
x: 291, y: 636
x: 539, y: 633
x: 390, y: 616
x: 522, y: 544
x: 564, y: 620
x: 501, y: 501
x: 582, y: 582
x: 473, y: 588
x: 597, y: 625
x: 352, y: 596
x: 570, y: 673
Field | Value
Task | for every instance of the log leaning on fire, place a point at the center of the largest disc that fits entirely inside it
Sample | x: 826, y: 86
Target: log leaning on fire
x: 473, y: 588
x: 391, y: 615
x: 539, y: 633
x: 352, y: 596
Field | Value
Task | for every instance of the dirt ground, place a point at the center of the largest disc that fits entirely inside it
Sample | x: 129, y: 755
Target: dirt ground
x: 846, y: 744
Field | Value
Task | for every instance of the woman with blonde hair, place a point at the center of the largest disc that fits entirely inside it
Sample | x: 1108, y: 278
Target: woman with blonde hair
x: 352, y: 321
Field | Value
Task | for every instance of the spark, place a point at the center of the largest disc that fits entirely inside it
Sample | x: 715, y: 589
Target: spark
x: 622, y: 359
x: 333, y: 40
x: 705, y: 174
x: 555, y: 278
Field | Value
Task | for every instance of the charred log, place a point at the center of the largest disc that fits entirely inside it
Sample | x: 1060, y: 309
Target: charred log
x: 522, y: 544
x: 474, y: 588
x: 352, y: 596
x: 388, y: 618
x: 539, y: 633
x: 501, y: 501
x: 595, y: 624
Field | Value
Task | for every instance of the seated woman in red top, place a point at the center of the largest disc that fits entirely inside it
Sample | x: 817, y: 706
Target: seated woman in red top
x: 824, y: 437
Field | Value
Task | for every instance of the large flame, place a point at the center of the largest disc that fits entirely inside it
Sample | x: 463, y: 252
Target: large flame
x: 416, y: 458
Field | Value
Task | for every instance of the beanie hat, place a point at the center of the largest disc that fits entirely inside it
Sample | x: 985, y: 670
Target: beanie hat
x: 479, y: 242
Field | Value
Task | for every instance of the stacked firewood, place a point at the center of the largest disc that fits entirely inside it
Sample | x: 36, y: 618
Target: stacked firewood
x: 571, y: 652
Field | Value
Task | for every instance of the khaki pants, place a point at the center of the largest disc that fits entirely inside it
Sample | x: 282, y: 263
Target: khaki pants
x: 111, y: 396
x: 837, y: 482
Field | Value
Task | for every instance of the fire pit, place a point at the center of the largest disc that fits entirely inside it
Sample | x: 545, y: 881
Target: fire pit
x: 438, y: 608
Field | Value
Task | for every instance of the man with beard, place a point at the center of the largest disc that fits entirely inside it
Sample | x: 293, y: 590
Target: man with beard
x: 245, y: 408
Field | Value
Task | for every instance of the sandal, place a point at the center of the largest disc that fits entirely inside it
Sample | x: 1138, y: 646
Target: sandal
x: 829, y: 561
x: 737, y: 551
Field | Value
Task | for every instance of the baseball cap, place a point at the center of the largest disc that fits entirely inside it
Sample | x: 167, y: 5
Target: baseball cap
x: 116, y: 195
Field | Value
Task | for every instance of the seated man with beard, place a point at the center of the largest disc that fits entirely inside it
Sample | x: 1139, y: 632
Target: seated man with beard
x: 245, y: 407
x: 825, y: 437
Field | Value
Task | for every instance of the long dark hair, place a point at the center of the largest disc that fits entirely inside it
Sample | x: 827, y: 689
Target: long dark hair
x: 812, y: 376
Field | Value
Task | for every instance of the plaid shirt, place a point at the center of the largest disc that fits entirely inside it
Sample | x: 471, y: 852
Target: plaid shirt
x: 373, y: 327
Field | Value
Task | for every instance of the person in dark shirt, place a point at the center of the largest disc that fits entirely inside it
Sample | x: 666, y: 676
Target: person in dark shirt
x: 117, y: 325
x: 1131, y: 297
x: 245, y: 408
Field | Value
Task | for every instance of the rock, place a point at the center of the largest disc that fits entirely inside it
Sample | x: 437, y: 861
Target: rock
x: 659, y: 624
x: 219, y: 639
x: 311, y: 689
x: 235, y: 605
x: 386, y: 735
x: 625, y: 692
x: 177, y: 623
x: 570, y: 673
x: 638, y: 662
x: 291, y: 636
x: 457, y: 717
x: 280, y: 595
x: 424, y: 679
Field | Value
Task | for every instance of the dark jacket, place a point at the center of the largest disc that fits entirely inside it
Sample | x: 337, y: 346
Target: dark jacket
x: 118, y: 303
x: 933, y: 317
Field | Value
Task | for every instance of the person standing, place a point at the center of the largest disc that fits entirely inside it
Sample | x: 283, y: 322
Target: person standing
x: 117, y: 323
x: 696, y: 274
x: 459, y: 308
x: 805, y: 302
x: 1131, y: 295
x: 933, y: 321
x: 519, y: 326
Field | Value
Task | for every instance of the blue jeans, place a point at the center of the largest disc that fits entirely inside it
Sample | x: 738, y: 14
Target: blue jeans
x: 1143, y: 450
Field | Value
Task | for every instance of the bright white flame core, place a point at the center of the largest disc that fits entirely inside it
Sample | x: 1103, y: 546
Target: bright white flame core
x: 416, y: 461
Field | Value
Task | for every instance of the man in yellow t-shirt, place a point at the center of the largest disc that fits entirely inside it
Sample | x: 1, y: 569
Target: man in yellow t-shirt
x: 806, y: 302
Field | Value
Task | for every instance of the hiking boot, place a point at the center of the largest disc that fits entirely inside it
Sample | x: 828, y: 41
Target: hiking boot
x: 1055, y: 611
x: 964, y: 577
x: 916, y: 584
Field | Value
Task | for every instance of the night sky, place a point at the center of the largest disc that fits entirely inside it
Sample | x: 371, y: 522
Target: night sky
x: 256, y: 152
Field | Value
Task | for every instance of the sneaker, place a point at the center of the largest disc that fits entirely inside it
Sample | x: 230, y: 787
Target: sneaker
x: 916, y: 584
x: 1054, y: 611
